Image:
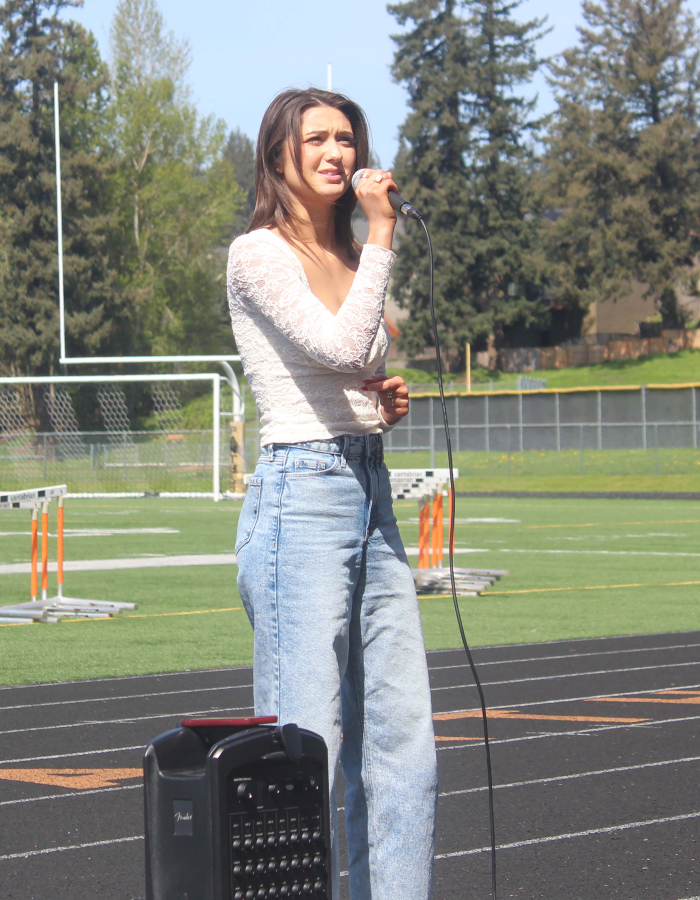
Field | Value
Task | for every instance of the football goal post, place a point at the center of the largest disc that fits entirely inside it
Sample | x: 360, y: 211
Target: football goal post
x: 119, y: 435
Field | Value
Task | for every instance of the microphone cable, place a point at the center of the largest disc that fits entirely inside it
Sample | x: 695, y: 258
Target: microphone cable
x: 441, y: 387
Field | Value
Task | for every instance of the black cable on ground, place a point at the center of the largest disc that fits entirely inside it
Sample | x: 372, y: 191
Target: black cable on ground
x: 492, y: 820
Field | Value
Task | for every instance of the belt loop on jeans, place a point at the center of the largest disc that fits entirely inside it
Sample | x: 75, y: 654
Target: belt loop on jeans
x: 344, y: 453
x: 270, y: 452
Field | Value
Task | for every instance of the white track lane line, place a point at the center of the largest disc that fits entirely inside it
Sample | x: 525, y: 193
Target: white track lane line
x: 52, y: 684
x: 622, y: 694
x: 516, y: 784
x: 126, y: 697
x: 124, y: 787
x: 459, y: 687
x: 504, y: 662
x: 8, y: 762
x: 185, y: 672
x: 173, y: 715
x: 562, y: 837
x: 28, y: 853
x: 612, y: 829
x: 188, y: 713
x: 241, y: 686
x: 582, y: 640
x: 587, y: 732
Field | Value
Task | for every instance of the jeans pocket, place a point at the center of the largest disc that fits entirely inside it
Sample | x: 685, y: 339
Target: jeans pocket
x: 309, y: 464
x: 249, y: 513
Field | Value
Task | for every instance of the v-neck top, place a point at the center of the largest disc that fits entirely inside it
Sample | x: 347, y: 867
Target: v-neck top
x: 305, y: 365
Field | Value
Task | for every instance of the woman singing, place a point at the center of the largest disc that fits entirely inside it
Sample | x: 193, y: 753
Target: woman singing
x: 322, y: 570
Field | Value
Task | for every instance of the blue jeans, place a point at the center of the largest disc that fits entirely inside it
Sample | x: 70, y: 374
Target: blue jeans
x: 339, y: 650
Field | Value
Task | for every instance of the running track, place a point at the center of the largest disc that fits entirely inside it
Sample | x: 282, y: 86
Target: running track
x: 595, y: 751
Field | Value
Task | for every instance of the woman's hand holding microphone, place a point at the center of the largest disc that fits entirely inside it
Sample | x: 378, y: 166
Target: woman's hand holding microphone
x: 372, y: 189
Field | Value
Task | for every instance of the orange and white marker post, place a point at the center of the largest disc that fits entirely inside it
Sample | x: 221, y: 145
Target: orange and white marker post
x: 45, y: 552
x: 424, y: 534
x: 35, y: 528
x: 59, y: 549
x: 438, y: 530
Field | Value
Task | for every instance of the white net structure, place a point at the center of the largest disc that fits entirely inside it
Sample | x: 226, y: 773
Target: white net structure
x: 116, y: 436
x: 64, y: 422
x: 167, y: 408
x: 16, y: 440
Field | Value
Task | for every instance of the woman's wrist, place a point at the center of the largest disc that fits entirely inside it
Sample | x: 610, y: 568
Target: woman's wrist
x: 383, y: 235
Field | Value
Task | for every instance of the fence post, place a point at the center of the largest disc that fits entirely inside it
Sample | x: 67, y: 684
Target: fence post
x: 432, y: 432
x: 486, y: 417
x: 510, y: 448
x: 520, y: 420
x: 656, y: 436
x: 644, y: 417
x: 583, y: 465
x: 124, y: 443
x: 556, y: 410
x: 694, y: 394
x: 44, y: 457
x: 600, y: 420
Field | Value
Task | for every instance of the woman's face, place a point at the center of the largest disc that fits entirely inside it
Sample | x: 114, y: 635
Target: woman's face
x: 327, y: 156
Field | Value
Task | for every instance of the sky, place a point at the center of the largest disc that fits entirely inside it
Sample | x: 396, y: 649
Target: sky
x: 243, y: 53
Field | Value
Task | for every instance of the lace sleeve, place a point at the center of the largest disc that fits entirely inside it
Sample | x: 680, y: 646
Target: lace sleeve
x: 261, y: 276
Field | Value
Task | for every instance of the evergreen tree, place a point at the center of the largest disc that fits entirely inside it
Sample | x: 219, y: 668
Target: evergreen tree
x: 38, y: 48
x: 176, y: 191
x: 465, y: 162
x: 623, y: 159
x: 240, y: 150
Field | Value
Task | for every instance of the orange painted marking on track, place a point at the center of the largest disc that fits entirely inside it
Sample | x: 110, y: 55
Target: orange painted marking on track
x: 76, y: 779
x: 444, y: 737
x: 687, y: 700
x: 691, y: 693
x: 514, y: 714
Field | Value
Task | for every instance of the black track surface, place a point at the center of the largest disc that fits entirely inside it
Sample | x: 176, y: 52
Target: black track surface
x: 598, y: 819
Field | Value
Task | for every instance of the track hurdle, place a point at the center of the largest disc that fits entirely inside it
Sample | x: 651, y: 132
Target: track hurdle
x: 50, y: 609
x: 431, y: 577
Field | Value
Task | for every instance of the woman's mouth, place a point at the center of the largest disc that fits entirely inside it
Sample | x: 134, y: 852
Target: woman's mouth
x: 332, y: 176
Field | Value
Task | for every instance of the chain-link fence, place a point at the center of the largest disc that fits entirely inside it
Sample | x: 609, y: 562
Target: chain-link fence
x: 650, y: 431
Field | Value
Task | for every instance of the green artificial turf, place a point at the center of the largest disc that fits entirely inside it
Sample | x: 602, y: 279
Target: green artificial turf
x: 663, y: 470
x: 190, y: 617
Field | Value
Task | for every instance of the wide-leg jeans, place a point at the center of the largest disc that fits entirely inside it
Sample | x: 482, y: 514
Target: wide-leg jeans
x: 339, y: 650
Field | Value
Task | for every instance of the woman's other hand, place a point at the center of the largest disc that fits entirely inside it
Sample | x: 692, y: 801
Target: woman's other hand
x: 393, y: 396
x: 372, y: 192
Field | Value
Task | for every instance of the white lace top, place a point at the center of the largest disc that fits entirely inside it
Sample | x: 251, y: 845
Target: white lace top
x: 305, y: 365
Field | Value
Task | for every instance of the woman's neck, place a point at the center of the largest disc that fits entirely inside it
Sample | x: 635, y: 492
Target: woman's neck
x: 315, y: 225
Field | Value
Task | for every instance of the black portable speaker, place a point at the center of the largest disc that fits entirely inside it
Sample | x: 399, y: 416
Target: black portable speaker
x: 237, y: 809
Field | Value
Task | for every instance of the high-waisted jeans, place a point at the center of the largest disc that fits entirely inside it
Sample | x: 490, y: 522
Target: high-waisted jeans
x: 339, y: 650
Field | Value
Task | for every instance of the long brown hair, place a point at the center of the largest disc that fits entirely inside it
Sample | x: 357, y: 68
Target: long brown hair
x: 281, y: 125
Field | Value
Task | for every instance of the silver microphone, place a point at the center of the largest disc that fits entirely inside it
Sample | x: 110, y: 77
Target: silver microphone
x: 398, y: 203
